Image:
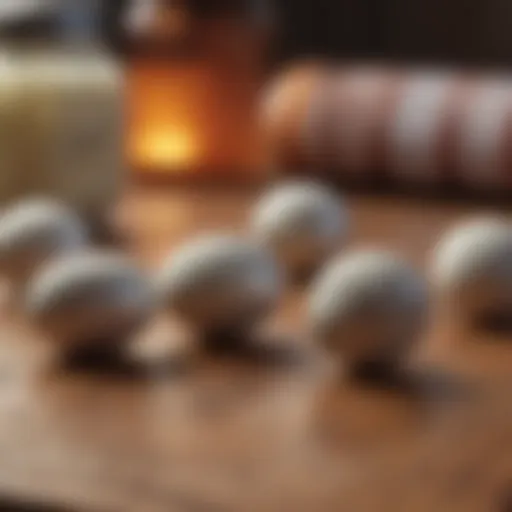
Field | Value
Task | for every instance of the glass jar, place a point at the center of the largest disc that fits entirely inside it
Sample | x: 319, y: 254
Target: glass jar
x: 194, y: 71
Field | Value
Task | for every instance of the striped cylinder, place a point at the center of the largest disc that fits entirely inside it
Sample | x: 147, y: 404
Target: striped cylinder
x: 416, y: 127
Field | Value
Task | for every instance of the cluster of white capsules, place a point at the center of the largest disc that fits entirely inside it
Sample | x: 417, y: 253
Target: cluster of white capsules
x: 74, y: 294
x: 228, y: 284
x: 371, y: 307
x: 368, y: 307
x: 219, y: 283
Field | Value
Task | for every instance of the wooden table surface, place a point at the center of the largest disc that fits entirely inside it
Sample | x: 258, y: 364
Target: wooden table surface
x: 232, y: 435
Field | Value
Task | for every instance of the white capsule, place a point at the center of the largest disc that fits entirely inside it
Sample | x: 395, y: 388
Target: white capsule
x: 34, y: 231
x: 303, y: 223
x: 220, y: 282
x: 94, y: 295
x: 368, y: 306
x: 471, y: 267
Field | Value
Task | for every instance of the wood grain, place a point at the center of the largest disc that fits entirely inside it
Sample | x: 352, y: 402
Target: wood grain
x: 232, y: 435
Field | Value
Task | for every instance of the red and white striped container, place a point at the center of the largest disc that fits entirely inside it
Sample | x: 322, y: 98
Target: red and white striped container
x: 422, y: 128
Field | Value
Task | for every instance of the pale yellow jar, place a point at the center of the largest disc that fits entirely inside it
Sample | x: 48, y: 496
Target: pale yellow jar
x: 61, y: 128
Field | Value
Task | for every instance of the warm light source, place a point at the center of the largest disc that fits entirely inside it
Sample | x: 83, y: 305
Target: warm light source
x: 166, y: 150
x: 192, y: 88
x: 168, y: 107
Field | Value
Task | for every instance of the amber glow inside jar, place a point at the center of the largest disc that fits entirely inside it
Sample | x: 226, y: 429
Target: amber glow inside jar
x: 194, y: 71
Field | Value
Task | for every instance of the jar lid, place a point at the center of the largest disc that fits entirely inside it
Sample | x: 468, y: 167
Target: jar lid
x: 163, y: 24
x: 143, y: 11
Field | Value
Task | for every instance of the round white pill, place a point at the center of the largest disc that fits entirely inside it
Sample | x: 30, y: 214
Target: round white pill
x: 34, y: 231
x: 368, y: 306
x: 90, y: 296
x: 220, y: 282
x: 471, y: 267
x: 303, y: 223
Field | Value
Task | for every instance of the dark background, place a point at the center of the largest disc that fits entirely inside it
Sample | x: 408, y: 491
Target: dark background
x: 467, y: 32
x: 475, y: 32
x: 454, y: 32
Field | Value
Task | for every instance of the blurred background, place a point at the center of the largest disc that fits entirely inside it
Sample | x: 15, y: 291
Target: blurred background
x: 193, y: 72
x: 472, y: 32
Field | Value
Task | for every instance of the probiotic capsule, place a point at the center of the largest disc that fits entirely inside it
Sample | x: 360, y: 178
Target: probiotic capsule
x: 471, y: 268
x: 368, y: 307
x: 220, y: 283
x: 90, y: 298
x: 303, y: 223
x: 34, y: 231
